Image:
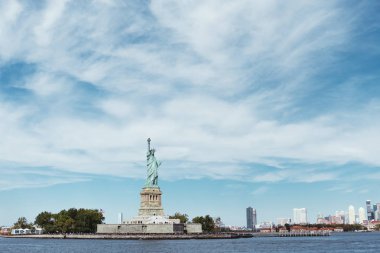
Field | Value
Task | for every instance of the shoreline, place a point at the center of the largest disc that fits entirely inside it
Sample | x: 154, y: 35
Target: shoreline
x: 133, y: 237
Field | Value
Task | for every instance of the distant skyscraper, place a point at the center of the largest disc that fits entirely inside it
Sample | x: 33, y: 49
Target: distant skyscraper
x: 254, y: 218
x: 120, y: 218
x: 369, y: 210
x: 351, y: 214
x: 283, y: 221
x: 251, y: 218
x: 362, y: 215
x: 300, y: 216
x: 342, y: 216
x: 376, y: 210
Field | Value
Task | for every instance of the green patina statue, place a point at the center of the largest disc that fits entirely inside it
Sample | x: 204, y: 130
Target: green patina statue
x: 152, y: 168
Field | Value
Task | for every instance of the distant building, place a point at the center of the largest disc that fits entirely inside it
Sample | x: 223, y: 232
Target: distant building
x: 254, y: 217
x: 342, y: 216
x: 334, y: 219
x: 338, y: 218
x: 27, y: 231
x: 300, y: 216
x: 362, y: 215
x: 236, y: 228
x: 370, y: 215
x: 5, y: 230
x: 251, y: 218
x: 120, y: 218
x: 21, y: 231
x: 323, y: 220
x: 376, y: 211
x: 283, y: 221
x: 371, y: 225
x: 351, y: 214
x: 266, y: 225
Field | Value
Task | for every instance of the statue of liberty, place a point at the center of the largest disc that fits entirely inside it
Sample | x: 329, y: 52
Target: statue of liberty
x: 152, y: 167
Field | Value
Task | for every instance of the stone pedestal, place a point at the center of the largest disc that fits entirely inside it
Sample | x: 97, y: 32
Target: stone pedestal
x: 150, y: 202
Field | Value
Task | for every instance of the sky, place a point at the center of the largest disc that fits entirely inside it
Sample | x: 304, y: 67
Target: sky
x: 269, y: 104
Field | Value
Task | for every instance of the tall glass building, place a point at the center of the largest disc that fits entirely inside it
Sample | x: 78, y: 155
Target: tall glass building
x: 369, y: 210
x: 251, y: 218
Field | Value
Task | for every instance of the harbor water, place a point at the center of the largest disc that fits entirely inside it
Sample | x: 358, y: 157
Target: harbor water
x: 338, y: 242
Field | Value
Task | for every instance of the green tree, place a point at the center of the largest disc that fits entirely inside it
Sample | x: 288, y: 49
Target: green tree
x: 43, y: 219
x: 183, y: 218
x: 70, y: 221
x: 352, y: 227
x: 22, y: 223
x: 72, y: 212
x: 64, y: 223
x: 218, y: 224
x: 208, y: 224
x: 87, y: 220
x: 46, y: 220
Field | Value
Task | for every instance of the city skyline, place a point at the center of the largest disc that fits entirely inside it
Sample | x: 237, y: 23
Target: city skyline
x: 250, y: 103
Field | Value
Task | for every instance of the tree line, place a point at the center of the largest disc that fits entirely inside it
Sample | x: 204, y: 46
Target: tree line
x: 85, y: 221
x: 208, y: 223
x: 66, y: 221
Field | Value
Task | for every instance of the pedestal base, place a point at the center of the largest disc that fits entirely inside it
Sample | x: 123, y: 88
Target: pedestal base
x: 150, y: 203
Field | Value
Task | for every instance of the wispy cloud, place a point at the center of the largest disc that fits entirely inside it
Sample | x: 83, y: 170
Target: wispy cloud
x: 220, y: 87
x: 13, y: 177
x: 260, y: 190
x: 348, y: 189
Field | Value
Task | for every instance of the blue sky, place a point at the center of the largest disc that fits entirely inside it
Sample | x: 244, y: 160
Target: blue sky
x: 269, y: 104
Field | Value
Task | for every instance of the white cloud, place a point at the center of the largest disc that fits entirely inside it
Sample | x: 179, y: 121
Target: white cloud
x: 9, y: 13
x: 119, y: 108
x: 52, y: 13
x: 210, y: 82
x: 47, y: 84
